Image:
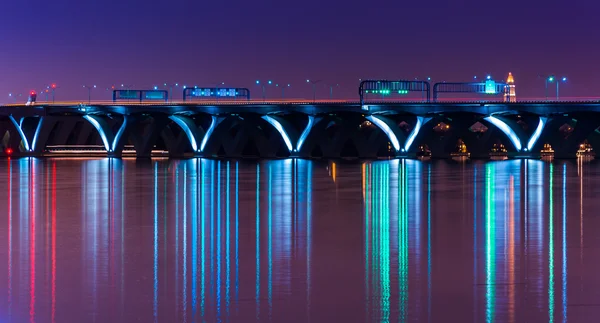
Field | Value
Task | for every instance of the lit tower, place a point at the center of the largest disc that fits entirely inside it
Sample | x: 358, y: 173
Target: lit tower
x: 510, y: 95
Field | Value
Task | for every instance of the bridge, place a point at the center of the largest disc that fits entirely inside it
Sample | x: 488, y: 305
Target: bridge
x: 305, y: 129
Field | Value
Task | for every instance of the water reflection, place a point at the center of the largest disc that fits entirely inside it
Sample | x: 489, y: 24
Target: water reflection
x: 292, y: 240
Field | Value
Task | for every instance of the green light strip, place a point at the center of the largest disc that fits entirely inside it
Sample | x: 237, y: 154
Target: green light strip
x: 551, y: 247
x: 490, y: 230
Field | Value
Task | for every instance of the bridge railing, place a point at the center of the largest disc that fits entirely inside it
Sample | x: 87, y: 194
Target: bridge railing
x: 300, y: 101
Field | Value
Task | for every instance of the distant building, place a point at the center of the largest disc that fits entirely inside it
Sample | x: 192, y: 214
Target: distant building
x: 510, y: 95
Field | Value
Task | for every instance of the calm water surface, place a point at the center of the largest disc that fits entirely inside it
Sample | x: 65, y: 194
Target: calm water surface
x: 299, y: 241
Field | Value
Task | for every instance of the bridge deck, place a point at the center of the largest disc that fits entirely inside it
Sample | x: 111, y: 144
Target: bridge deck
x: 304, y: 107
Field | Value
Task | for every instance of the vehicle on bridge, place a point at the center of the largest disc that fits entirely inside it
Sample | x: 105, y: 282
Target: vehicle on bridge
x: 32, y: 98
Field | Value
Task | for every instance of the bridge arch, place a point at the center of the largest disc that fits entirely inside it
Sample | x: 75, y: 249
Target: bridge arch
x: 344, y: 135
x: 28, y: 130
x: 248, y: 134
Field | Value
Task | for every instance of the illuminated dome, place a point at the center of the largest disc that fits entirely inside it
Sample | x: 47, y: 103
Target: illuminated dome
x: 510, y: 79
x: 510, y: 94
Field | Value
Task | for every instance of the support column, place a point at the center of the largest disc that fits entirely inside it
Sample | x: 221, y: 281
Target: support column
x: 113, y: 142
x: 198, y: 138
x: 291, y: 137
x: 400, y: 142
x: 517, y: 136
x: 28, y: 130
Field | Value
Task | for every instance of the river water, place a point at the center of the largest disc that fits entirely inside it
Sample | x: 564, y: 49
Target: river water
x: 107, y: 240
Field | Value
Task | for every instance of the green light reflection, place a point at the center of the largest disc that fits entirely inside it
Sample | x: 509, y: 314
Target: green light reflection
x: 490, y: 242
x: 551, y: 246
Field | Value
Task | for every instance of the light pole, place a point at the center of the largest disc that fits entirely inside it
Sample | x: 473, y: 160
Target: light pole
x: 331, y: 90
x: 53, y: 87
x: 548, y: 79
x: 314, y: 83
x: 127, y: 87
x: 282, y: 89
x: 89, y: 88
x: 423, y: 88
x: 15, y: 96
x: 551, y: 79
x: 264, y: 89
x: 170, y: 87
x: 47, y: 90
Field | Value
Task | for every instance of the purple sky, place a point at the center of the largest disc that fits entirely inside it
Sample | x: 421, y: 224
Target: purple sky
x: 148, y: 43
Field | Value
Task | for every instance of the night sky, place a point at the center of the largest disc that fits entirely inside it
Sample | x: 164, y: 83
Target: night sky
x: 203, y: 43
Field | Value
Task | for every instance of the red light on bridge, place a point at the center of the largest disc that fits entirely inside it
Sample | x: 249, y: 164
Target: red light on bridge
x: 8, y: 151
x: 32, y: 92
x: 53, y: 85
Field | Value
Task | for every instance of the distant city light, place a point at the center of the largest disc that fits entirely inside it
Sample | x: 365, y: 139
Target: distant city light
x: 489, y: 77
x: 564, y: 79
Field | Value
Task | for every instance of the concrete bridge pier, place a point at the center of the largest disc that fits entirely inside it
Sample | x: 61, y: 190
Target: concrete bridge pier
x: 113, y: 141
x: 404, y: 145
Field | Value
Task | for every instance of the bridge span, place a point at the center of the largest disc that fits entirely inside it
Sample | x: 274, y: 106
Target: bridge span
x: 272, y: 129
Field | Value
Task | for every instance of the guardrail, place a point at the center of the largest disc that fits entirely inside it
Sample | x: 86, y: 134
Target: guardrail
x: 306, y: 102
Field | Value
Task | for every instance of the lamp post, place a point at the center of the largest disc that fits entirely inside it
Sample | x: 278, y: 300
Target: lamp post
x: 15, y: 96
x: 283, y: 86
x: 264, y: 89
x: 89, y: 88
x: 548, y: 79
x: 46, y: 91
x: 551, y: 79
x: 53, y: 87
x: 563, y: 79
x: 170, y: 87
x: 331, y: 90
x: 314, y: 83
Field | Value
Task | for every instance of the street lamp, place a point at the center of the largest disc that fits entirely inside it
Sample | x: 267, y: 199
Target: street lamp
x: 264, y: 89
x: 170, y: 87
x: 314, y: 88
x: 331, y: 90
x: 551, y: 79
x: 564, y: 79
x: 53, y: 87
x: 89, y: 88
x: 15, y: 96
x: 282, y: 89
